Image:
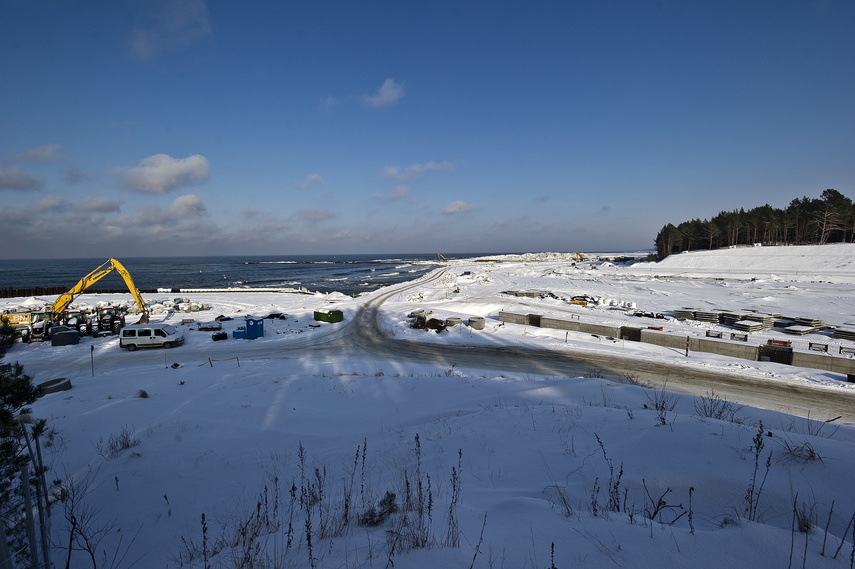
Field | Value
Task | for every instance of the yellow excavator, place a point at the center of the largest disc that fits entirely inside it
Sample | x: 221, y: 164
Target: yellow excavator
x: 39, y: 324
x: 34, y: 324
x: 111, y: 265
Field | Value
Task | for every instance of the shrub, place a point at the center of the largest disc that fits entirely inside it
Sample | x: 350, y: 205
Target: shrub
x: 117, y: 443
x: 376, y: 515
x: 713, y: 406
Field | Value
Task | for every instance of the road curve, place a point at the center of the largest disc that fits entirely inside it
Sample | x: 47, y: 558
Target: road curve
x: 365, y: 335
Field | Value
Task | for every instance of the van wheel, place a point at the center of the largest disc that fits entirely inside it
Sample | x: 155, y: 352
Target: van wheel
x: 132, y: 347
x: 167, y: 345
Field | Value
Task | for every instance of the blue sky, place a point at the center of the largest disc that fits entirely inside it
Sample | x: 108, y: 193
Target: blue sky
x: 191, y: 127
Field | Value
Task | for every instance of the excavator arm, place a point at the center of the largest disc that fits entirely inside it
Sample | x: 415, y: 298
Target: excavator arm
x: 111, y: 265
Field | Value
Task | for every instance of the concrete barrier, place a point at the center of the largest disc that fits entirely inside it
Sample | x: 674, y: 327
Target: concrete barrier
x: 662, y: 339
x: 577, y: 326
x: 724, y: 348
x: 817, y: 360
x: 559, y: 324
x: 512, y: 318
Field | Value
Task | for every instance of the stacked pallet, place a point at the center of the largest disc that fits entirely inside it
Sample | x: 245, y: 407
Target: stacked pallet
x: 766, y: 320
x: 705, y: 316
x: 748, y: 325
x: 844, y: 334
x: 685, y: 313
x: 802, y: 325
x: 799, y: 330
x: 731, y: 318
x: 815, y: 322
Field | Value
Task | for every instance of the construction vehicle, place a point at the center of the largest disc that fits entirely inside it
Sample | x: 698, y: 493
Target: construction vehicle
x: 441, y: 258
x: 24, y: 322
x: 579, y: 256
x: 108, y: 318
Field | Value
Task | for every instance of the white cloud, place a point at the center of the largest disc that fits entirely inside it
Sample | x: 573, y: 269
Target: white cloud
x: 98, y: 204
x: 416, y: 170
x: 400, y: 192
x: 49, y: 153
x: 12, y: 178
x: 161, y: 173
x: 188, y: 206
x: 313, y: 180
x: 458, y: 207
x: 47, y: 204
x: 170, y: 26
x: 388, y: 94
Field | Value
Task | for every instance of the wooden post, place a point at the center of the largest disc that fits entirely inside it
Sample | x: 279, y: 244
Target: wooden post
x: 687, y: 346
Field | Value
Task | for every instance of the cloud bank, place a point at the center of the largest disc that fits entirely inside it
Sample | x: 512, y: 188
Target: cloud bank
x: 161, y: 173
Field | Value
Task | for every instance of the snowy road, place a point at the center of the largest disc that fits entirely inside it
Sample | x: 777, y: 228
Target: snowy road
x: 362, y: 338
x: 364, y: 335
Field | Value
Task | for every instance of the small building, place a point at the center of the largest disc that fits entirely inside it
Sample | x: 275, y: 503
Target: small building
x: 254, y: 328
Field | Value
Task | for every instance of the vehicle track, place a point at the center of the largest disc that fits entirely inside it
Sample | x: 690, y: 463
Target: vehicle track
x: 362, y: 336
x: 365, y: 334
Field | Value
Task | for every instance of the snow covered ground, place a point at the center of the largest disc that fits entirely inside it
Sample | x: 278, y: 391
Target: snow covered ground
x: 513, y: 469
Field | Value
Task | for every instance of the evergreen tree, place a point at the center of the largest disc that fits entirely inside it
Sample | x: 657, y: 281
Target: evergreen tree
x: 16, y: 393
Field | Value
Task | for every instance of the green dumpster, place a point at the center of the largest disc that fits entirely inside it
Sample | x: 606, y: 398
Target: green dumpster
x: 329, y: 316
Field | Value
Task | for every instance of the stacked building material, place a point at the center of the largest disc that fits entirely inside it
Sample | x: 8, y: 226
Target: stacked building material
x: 685, y: 313
x: 805, y: 321
x: 706, y: 316
x: 731, y: 318
x: 844, y: 334
x: 799, y: 330
x: 748, y: 325
x: 766, y: 320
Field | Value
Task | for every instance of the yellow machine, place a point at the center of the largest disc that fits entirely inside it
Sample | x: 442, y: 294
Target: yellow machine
x: 111, y: 265
x: 578, y: 256
x: 441, y: 257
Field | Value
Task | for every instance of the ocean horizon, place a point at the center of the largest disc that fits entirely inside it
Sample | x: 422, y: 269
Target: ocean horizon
x: 348, y: 274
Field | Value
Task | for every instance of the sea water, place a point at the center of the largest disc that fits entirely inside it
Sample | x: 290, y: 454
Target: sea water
x: 348, y: 274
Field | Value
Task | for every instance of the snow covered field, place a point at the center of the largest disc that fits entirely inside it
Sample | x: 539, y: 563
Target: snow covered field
x: 514, y: 469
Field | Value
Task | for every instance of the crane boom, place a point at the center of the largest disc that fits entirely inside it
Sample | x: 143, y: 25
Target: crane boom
x: 108, y: 267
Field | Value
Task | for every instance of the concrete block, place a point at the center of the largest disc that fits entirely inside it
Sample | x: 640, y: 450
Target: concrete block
x: 560, y: 324
x: 724, y: 348
x: 512, y: 318
x: 662, y: 339
x: 817, y: 360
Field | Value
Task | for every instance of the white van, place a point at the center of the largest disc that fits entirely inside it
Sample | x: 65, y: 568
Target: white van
x: 149, y: 336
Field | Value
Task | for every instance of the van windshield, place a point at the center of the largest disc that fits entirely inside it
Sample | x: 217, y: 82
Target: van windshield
x: 169, y: 330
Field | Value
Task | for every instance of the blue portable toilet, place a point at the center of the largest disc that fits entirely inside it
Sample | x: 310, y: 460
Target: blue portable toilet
x: 254, y: 328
